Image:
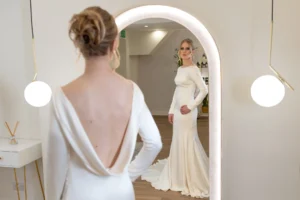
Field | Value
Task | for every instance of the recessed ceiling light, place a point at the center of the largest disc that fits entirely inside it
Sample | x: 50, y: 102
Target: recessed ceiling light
x: 146, y: 26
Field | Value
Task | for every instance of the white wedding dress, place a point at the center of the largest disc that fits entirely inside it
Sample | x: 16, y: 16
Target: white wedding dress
x: 187, y: 167
x: 72, y: 168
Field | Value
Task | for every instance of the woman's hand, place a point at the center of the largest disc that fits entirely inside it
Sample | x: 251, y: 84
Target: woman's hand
x: 170, y: 118
x: 184, y: 110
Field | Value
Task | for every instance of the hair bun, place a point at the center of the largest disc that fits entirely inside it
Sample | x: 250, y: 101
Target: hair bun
x: 89, y: 27
x: 93, y: 31
x: 86, y: 39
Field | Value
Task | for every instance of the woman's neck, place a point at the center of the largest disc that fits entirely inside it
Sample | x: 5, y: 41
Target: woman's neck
x: 186, y: 63
x: 97, y: 65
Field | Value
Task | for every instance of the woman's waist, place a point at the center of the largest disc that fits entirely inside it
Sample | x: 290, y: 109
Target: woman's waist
x: 185, y: 91
x: 81, y: 177
x: 185, y: 87
x: 88, y: 172
x: 184, y: 98
x: 91, y: 186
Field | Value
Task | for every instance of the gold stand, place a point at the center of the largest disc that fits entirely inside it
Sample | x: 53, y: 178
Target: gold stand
x: 38, y: 172
x: 17, y: 184
x: 13, y: 141
x: 25, y: 185
x: 25, y: 181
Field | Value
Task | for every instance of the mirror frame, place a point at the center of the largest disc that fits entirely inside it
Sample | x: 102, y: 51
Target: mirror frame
x: 198, y: 29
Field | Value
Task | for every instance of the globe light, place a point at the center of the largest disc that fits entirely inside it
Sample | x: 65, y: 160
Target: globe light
x: 37, y: 94
x: 267, y: 91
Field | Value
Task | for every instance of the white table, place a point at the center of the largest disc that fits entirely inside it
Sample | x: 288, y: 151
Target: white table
x: 20, y: 155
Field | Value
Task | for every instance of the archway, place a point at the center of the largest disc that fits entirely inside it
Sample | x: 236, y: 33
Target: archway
x: 211, y: 50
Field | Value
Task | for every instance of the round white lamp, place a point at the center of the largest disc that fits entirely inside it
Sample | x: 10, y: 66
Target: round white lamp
x: 37, y: 94
x: 267, y: 91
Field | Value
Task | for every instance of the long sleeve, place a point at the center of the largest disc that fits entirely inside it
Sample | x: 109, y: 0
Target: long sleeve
x: 197, y: 78
x: 152, y: 144
x: 56, y: 160
x: 171, y: 110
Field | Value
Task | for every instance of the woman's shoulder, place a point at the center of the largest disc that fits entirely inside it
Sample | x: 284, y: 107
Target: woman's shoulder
x: 194, y: 69
x: 139, y: 99
x: 137, y: 90
x: 191, y: 67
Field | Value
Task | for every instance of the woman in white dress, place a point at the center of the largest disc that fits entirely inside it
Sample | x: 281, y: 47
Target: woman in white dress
x: 95, y: 121
x: 186, y: 168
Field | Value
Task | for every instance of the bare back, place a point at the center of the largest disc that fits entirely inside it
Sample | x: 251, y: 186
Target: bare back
x: 103, y: 105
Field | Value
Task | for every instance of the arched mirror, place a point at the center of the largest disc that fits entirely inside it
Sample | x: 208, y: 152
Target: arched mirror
x: 150, y: 39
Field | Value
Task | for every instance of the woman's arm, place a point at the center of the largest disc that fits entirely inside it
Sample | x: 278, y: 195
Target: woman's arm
x: 152, y: 143
x: 171, y: 110
x: 56, y: 160
x: 197, y: 78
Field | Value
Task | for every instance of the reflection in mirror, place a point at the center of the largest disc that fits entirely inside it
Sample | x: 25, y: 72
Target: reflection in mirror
x: 149, y: 56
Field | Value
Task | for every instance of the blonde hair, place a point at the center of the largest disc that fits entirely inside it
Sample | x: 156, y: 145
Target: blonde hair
x: 189, y: 41
x: 93, y: 31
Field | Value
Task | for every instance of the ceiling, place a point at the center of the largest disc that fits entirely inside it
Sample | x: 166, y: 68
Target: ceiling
x: 155, y: 24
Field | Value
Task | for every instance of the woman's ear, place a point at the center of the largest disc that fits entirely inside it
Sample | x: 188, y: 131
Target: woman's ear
x: 116, y: 43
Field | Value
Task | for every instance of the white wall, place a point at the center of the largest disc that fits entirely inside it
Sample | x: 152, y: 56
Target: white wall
x: 134, y: 68
x: 16, y: 71
x: 260, y: 146
x: 143, y: 44
x: 124, y: 57
x: 16, y: 65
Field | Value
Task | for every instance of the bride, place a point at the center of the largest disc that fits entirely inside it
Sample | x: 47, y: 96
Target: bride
x: 95, y: 120
x: 186, y: 168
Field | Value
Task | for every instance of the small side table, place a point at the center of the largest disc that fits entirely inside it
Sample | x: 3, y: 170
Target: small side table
x: 20, y: 155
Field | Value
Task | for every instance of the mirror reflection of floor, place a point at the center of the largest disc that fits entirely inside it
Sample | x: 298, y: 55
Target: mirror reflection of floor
x: 143, y: 189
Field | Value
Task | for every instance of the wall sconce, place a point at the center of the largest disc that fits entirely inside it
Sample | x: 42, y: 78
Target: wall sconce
x: 36, y: 93
x: 268, y: 90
